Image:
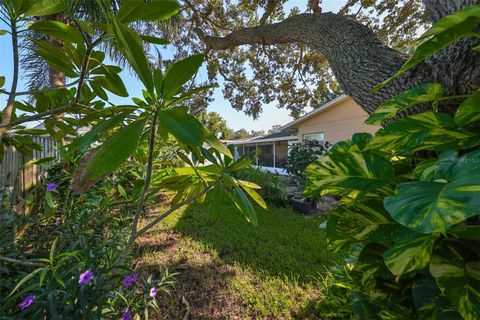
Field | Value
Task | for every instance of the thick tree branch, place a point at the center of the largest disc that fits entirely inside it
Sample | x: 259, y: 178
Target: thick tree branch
x: 440, y: 8
x: 271, y: 4
x: 357, y: 57
x: 359, y: 60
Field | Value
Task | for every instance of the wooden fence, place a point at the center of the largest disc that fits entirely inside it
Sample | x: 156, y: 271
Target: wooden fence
x: 14, y: 173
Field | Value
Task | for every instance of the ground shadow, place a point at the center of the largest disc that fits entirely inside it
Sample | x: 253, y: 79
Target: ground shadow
x: 283, y: 244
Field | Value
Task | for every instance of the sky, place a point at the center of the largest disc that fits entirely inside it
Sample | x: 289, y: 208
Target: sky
x: 236, y: 120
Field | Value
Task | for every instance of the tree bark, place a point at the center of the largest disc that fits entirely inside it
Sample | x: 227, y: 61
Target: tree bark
x: 359, y: 60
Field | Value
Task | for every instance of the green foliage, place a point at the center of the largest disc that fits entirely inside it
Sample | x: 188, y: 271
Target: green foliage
x: 268, y: 186
x: 88, y: 218
x: 410, y: 199
x: 300, y: 156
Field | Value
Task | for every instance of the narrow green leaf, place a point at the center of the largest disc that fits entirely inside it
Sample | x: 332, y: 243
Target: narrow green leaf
x: 2, y: 81
x: 182, y: 125
x: 122, y: 191
x: 49, y: 199
x: 139, y: 10
x: 218, y: 196
x: 179, y: 73
x: 42, y: 7
x: 24, y: 280
x: 154, y: 40
x: 52, y: 251
x: 57, y: 30
x: 255, y: 196
x: 107, y: 157
x: 249, y: 184
x: 189, y: 94
x: 245, y: 206
x: 129, y: 43
x: 92, y: 135
x: 55, y: 57
x: 217, y: 145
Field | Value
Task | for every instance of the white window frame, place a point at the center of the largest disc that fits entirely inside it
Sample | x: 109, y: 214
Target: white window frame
x: 315, y: 136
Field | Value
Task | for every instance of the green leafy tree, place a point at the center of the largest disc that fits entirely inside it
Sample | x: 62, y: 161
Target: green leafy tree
x: 216, y: 125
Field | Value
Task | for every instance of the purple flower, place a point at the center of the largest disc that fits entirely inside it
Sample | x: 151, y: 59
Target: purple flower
x: 153, y: 292
x: 58, y: 221
x: 127, y: 315
x: 85, y: 277
x: 51, y: 186
x: 27, y: 301
x: 128, y: 280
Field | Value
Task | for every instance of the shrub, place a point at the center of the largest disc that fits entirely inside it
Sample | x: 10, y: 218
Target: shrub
x: 409, y: 213
x: 271, y: 190
x: 301, y: 155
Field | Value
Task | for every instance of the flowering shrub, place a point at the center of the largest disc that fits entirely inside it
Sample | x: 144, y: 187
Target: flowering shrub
x: 66, y: 246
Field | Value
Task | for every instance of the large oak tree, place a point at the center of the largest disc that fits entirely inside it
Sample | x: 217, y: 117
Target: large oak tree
x: 261, y: 54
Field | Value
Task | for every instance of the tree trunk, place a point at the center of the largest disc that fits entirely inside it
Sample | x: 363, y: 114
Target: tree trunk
x: 360, y: 60
x: 57, y: 78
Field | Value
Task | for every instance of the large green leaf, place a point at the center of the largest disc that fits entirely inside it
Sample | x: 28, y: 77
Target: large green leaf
x: 254, y: 195
x: 92, y: 135
x: 218, y: 196
x: 429, y: 303
x: 218, y: 145
x: 154, y: 40
x: 55, y: 57
x: 444, y: 32
x: 42, y: 7
x: 244, y: 205
x: 410, y: 253
x: 361, y: 220
x: 341, y: 171
x: 460, y: 282
x: 424, y: 131
x: 469, y: 110
x: 129, y: 43
x: 58, y: 30
x: 139, y: 10
x: 109, y: 156
x: 179, y: 73
x: 182, y: 125
x: 421, y: 94
x: 435, y: 206
x: 110, y: 81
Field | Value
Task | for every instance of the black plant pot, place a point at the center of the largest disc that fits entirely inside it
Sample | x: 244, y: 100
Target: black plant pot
x: 302, y: 206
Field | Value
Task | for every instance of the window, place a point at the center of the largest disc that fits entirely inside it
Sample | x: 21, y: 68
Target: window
x: 319, y: 137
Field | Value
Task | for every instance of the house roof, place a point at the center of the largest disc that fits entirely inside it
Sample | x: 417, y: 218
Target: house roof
x: 315, y: 111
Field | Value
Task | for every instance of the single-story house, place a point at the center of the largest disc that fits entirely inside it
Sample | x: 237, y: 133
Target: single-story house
x: 333, y: 121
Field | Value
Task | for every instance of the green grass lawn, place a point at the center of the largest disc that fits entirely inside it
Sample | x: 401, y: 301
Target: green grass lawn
x: 232, y: 270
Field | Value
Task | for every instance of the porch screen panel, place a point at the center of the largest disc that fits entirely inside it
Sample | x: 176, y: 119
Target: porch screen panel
x: 250, y: 150
x: 265, y: 158
x: 281, y: 153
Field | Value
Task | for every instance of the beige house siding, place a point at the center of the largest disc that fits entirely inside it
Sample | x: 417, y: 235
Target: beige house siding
x: 339, y: 122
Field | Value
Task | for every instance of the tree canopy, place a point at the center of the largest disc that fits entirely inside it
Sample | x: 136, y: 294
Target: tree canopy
x: 293, y: 75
